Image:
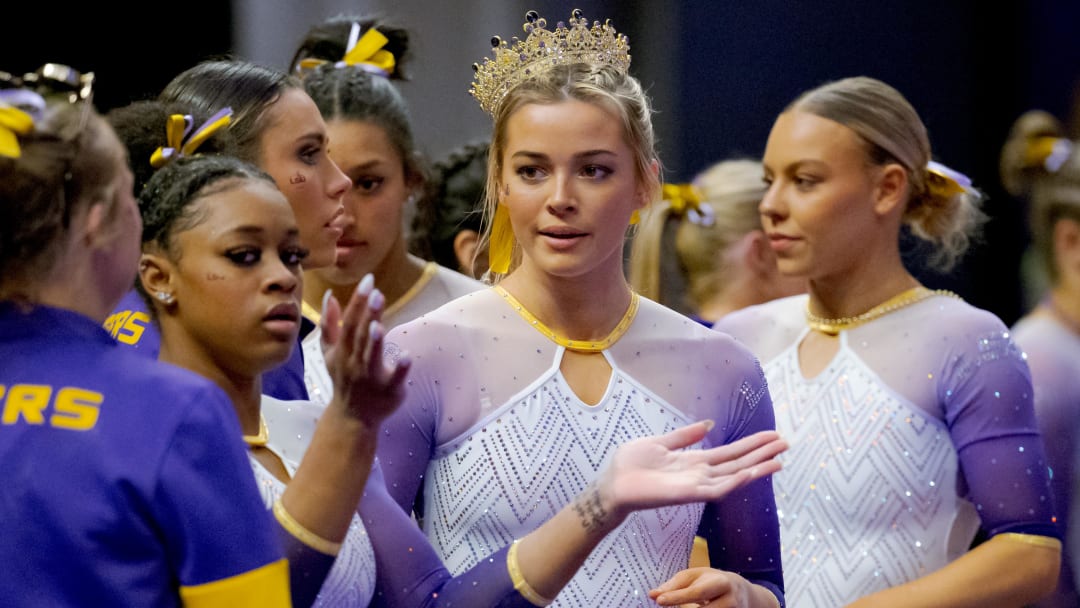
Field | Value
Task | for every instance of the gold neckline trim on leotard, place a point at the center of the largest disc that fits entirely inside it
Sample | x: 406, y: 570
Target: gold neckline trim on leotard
x: 261, y: 439
x: 580, y: 346
x: 908, y: 297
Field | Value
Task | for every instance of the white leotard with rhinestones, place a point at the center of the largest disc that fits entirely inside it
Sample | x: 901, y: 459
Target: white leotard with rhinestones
x: 920, y: 425
x: 499, y: 442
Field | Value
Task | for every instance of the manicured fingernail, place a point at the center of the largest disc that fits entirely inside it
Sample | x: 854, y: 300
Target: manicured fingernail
x: 376, y: 300
x: 325, y: 301
x: 404, y: 360
x: 709, y: 424
x: 375, y: 330
x: 366, y: 284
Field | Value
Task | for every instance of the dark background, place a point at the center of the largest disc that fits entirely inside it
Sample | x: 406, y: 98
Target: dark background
x: 718, y: 71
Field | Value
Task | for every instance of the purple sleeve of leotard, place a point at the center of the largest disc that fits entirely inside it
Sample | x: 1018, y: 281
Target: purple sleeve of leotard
x: 987, y: 396
x: 742, y: 530
x: 409, y: 573
x: 407, y: 441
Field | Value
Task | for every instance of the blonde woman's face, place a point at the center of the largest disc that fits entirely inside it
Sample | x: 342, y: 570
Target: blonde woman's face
x: 569, y: 182
x: 817, y: 211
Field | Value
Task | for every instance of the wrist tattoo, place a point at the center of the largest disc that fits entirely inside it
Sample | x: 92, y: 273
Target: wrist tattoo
x: 589, y: 508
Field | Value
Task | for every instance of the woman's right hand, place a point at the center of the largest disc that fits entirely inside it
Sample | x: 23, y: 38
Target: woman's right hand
x: 367, y: 387
x: 656, y: 471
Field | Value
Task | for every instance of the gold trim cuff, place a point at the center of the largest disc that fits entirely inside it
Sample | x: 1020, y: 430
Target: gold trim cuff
x: 1032, y: 539
x: 302, y: 534
x: 520, y: 584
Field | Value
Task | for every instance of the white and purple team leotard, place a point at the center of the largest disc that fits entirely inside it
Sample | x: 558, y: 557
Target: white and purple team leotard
x: 494, y: 442
x: 919, y: 429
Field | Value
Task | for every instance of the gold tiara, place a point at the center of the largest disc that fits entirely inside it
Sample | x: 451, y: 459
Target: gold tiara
x: 542, y: 49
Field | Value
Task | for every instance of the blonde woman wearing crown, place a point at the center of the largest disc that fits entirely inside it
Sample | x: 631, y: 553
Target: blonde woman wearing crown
x: 908, y: 411
x: 521, y: 393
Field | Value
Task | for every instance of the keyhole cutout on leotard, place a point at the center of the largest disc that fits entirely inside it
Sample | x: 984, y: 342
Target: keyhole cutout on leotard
x: 816, y: 351
x: 587, y: 374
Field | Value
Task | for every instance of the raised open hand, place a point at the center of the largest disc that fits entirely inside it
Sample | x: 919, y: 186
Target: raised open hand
x: 655, y: 471
x: 367, y: 387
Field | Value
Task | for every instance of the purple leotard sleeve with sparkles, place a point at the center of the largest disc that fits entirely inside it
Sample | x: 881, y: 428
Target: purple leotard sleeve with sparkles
x: 987, y: 395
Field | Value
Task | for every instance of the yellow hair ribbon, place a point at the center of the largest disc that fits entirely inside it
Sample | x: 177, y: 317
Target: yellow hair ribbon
x: 366, y: 53
x: 501, y: 242
x: 681, y: 197
x: 943, y: 182
x: 13, y: 123
x: 175, y: 128
x: 369, y: 52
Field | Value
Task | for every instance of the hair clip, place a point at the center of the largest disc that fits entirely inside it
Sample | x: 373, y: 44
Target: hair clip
x: 943, y: 182
x: 182, y: 141
x: 13, y: 123
x: 63, y: 80
x: 365, y: 52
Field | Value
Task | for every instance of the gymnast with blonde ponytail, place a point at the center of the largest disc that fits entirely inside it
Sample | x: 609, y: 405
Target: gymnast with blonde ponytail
x: 909, y: 411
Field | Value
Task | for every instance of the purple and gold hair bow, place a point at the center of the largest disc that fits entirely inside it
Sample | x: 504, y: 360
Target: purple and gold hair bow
x: 1048, y: 151
x: 182, y: 140
x: 943, y: 182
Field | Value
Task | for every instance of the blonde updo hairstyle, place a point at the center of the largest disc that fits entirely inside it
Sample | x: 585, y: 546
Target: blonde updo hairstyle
x: 732, y: 189
x: 618, y: 93
x: 1046, y: 176
x: 894, y: 133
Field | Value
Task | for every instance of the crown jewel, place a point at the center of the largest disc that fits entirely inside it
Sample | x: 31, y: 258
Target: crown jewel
x: 543, y: 48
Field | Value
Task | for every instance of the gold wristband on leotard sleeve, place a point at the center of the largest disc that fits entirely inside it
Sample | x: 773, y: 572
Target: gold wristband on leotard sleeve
x: 1032, y: 539
x: 520, y: 584
x: 304, y: 535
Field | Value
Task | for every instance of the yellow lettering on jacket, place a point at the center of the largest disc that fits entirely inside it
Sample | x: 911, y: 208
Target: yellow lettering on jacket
x: 127, y: 326
x: 27, y: 401
x: 73, y: 408
x: 76, y: 409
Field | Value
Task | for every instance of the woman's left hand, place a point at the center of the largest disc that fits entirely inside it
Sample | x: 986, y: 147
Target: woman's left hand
x: 704, y: 587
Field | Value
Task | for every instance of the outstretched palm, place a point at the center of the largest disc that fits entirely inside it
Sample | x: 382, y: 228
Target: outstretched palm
x: 655, y: 471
